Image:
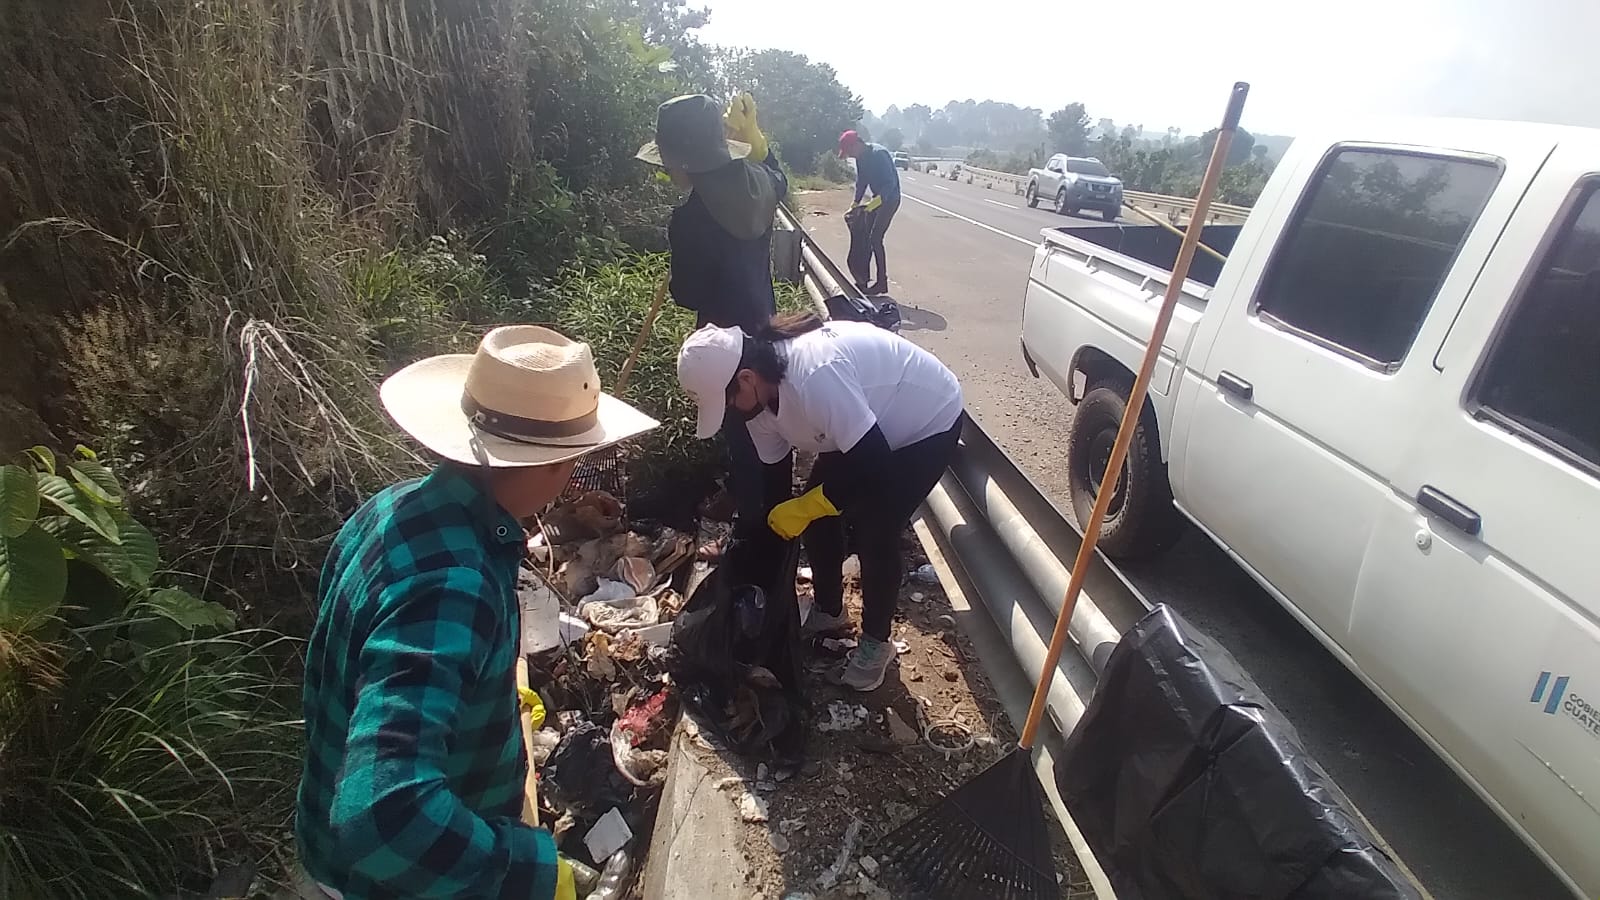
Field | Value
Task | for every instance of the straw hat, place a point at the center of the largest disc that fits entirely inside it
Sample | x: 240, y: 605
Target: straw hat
x: 529, y: 397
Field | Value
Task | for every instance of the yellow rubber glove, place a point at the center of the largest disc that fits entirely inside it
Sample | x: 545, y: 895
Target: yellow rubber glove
x: 565, y: 888
x: 791, y: 517
x: 534, y: 704
x: 740, y: 124
x: 871, y: 203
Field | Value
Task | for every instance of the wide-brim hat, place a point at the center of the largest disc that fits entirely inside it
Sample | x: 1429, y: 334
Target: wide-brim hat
x: 690, y: 136
x: 529, y: 396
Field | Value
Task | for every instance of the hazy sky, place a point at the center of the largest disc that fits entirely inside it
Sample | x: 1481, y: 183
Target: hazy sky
x: 1166, y: 62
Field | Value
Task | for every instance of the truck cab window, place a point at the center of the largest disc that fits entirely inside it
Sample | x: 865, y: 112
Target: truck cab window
x: 1543, y: 372
x: 1369, y: 247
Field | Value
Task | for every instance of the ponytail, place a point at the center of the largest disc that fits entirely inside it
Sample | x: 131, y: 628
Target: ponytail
x: 787, y: 327
x: 760, y: 353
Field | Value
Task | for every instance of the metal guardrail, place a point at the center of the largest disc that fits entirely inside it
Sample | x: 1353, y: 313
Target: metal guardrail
x: 1176, y: 209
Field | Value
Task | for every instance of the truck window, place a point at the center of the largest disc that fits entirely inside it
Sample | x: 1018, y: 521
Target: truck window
x: 1543, y: 371
x: 1358, y: 267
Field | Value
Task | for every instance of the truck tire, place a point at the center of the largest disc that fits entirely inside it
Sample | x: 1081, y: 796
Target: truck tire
x: 1061, y: 203
x: 1033, y: 195
x: 1141, y: 521
x: 1110, y: 215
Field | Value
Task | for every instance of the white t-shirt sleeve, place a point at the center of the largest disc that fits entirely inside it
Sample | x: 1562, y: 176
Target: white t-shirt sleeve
x: 836, y: 405
x: 771, y: 446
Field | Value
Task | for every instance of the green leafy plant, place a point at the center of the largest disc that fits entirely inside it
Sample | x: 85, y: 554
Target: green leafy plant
x: 141, y: 740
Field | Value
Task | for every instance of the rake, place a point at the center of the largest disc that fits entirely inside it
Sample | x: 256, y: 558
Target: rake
x: 988, y: 839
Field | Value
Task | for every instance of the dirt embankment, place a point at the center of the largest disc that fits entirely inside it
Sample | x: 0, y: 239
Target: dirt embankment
x: 62, y: 144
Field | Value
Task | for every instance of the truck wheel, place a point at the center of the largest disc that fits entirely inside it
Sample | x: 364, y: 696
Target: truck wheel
x: 1061, y: 203
x: 1141, y: 520
x: 1110, y: 215
x: 1033, y: 195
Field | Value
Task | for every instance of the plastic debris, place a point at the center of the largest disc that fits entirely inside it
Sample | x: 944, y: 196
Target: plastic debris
x: 544, y: 741
x: 614, y: 877
x: 869, y: 866
x: 752, y: 808
x: 615, y: 615
x: 635, y: 572
x: 607, y: 590
x: 852, y: 566
x: 843, y: 716
x: 830, y: 876
x: 901, y: 646
x: 924, y: 574
x: 610, y: 834
x: 918, y: 597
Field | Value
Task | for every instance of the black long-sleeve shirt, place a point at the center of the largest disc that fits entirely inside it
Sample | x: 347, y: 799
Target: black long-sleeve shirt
x: 726, y: 275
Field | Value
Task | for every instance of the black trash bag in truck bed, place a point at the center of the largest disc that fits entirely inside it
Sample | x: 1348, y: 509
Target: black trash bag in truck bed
x: 736, y: 654
x: 1187, y: 783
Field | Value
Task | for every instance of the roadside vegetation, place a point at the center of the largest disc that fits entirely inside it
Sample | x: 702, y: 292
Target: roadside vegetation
x: 223, y: 223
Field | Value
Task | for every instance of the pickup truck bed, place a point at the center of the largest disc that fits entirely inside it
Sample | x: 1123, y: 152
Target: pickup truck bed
x: 1155, y: 246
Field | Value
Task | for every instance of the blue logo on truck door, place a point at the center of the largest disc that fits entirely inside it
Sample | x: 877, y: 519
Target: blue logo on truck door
x: 1551, y: 691
x: 1553, y: 703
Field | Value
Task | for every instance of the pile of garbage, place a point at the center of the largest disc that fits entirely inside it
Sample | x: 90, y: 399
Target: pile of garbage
x: 598, y: 599
x: 613, y: 647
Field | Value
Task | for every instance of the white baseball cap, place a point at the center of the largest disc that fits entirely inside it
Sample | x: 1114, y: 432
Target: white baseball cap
x: 706, y: 365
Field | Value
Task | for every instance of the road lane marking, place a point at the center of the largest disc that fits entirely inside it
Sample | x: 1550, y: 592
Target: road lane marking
x: 998, y: 203
x: 956, y: 215
x: 941, y: 187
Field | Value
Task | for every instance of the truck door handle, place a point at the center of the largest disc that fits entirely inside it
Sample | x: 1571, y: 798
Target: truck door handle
x: 1235, y: 385
x: 1449, y: 509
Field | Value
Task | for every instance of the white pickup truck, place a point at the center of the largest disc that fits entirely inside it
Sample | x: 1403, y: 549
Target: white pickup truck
x: 1385, y: 405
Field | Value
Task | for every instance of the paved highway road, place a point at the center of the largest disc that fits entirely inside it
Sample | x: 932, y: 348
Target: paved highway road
x: 958, y: 260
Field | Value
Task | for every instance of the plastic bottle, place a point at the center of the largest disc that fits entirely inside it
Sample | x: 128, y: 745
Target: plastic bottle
x: 614, y: 878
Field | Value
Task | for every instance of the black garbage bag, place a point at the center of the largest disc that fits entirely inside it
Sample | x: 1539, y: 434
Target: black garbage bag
x: 1188, y: 783
x: 581, y: 778
x: 879, y: 311
x: 736, y: 654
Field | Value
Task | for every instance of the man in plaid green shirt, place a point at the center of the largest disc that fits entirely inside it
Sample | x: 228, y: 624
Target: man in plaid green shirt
x: 415, y: 764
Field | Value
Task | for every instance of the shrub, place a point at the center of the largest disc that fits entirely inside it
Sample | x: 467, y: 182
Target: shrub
x: 142, y: 743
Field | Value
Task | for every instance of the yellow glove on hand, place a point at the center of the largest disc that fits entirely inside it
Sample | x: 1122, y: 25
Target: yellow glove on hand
x: 740, y: 125
x: 565, y: 888
x: 871, y: 203
x: 791, y: 517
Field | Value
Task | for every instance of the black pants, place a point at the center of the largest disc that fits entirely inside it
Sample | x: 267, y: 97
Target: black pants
x: 877, y: 226
x: 876, y: 521
x: 755, y: 487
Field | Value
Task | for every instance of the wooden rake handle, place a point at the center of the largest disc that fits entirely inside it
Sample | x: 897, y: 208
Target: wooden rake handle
x: 1130, y: 416
x: 644, y: 334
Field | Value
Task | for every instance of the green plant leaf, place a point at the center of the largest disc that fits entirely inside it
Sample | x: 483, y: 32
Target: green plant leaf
x: 82, y: 542
x: 43, y: 459
x: 19, y: 500
x: 33, y: 576
x: 144, y: 555
x: 189, y: 611
x: 95, y: 480
x: 61, y: 493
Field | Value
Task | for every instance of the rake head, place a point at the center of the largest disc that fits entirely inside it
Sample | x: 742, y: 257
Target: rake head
x: 986, y: 841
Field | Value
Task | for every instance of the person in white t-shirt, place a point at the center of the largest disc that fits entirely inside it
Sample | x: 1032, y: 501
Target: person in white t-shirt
x: 882, y: 414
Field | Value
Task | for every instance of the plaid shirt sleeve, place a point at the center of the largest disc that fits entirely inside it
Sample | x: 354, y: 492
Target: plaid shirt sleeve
x: 395, y: 818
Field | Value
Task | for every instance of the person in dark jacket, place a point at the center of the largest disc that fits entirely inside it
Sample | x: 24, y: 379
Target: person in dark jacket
x: 721, y: 241
x: 874, y: 170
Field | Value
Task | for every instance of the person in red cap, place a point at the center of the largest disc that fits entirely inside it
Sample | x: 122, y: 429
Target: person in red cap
x: 875, y: 171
